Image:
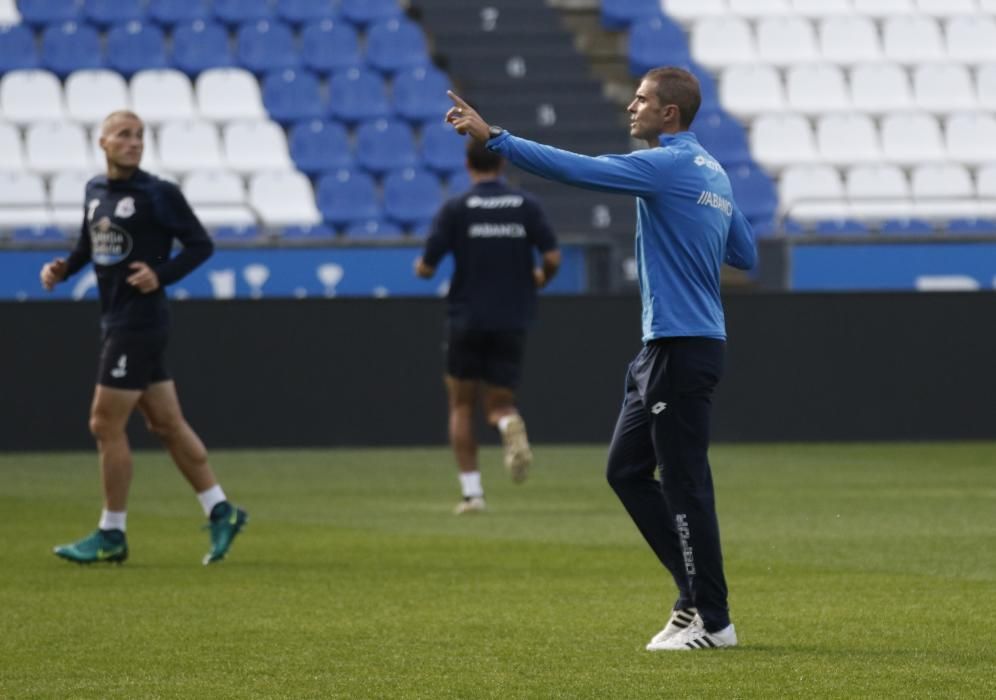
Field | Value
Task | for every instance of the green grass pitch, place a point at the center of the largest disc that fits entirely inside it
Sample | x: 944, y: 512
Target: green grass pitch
x: 856, y: 571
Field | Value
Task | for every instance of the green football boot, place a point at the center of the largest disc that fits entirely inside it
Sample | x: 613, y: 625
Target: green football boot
x: 225, y: 523
x: 99, y: 546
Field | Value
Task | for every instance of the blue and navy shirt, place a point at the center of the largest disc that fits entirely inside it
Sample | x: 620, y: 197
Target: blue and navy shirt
x: 492, y: 231
x: 687, y: 223
x: 136, y: 220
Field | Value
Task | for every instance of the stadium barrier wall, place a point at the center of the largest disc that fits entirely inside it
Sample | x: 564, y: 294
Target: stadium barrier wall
x: 317, y: 372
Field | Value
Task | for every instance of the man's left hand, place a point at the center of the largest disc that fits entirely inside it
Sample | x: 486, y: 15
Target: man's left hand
x: 144, y: 278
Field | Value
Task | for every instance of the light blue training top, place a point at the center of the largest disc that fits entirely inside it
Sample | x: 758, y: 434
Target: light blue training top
x: 687, y: 224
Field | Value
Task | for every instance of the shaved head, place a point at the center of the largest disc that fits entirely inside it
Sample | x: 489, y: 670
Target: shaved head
x: 111, y: 119
x: 122, y: 136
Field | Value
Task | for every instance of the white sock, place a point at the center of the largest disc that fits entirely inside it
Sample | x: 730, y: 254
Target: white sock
x: 503, y: 421
x: 113, y: 519
x: 210, y: 498
x: 470, y: 484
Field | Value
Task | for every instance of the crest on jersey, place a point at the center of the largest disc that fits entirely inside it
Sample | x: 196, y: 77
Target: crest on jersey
x: 110, y: 244
x: 125, y: 207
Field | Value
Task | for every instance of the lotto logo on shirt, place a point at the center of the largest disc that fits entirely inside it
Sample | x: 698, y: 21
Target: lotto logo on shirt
x: 109, y: 242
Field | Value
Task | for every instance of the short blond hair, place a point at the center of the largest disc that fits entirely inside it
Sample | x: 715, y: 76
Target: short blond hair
x: 118, y: 114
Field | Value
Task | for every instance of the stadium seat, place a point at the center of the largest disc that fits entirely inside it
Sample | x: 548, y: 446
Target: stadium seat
x: 266, y: 46
x: 944, y: 181
x: 723, y: 136
x: 395, y: 44
x: 66, y: 191
x: 70, y: 46
x: 620, y: 14
x: 172, y: 12
x: 911, y: 138
x: 971, y: 138
x: 840, y: 227
x: 971, y: 39
x: 912, y: 39
x: 457, y: 183
x: 943, y: 88
x: 411, y: 196
x: 330, y: 45
x: 150, y: 151
x: 786, y: 41
x: 17, y: 48
x: 199, y: 45
x: 93, y: 94
x: 686, y: 11
x: 162, y: 95
x: 136, y: 46
x: 722, y: 41
x: 884, y: 8
x: 879, y: 88
x: 39, y: 234
x: 961, y: 227
x: 38, y: 13
x: 876, y: 182
x: 656, y: 41
x: 419, y: 94
x: 318, y: 146
x: 245, y: 233
x: 373, y: 228
x: 746, y: 91
x: 11, y: 149
x: 299, y: 12
x: 985, y: 80
x: 443, y: 149
x: 845, y: 139
x: 347, y: 196
x: 28, y: 96
x: 906, y: 227
x: 357, y: 94
x: 754, y: 193
x: 847, y: 40
x: 946, y: 8
x: 22, y: 200
x: 817, y: 9
x: 812, y: 192
x: 817, y: 89
x: 218, y: 197
x: 104, y: 13
x: 364, y: 12
x: 383, y: 145
x: 292, y: 95
x: 782, y: 139
x: 314, y: 233
x: 759, y: 9
x: 236, y: 12
x: 225, y: 94
x: 53, y: 146
x: 985, y: 181
x: 252, y: 146
x: 189, y: 145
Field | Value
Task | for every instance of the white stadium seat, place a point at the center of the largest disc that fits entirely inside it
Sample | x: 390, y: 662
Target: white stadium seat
x: 686, y: 11
x: 11, y: 149
x: 912, y: 39
x: 845, y: 139
x: 971, y: 138
x: 256, y: 145
x: 878, y: 192
x: 777, y: 140
x: 756, y: 9
x: 749, y: 90
x: 880, y: 87
x: 54, y: 146
x: 943, y: 88
x: 28, y: 96
x: 817, y: 89
x: 283, y: 199
x: 812, y: 192
x: 849, y: 40
x: 946, y: 8
x: 985, y: 182
x: 22, y: 200
x: 722, y: 41
x: 942, y: 181
x: 162, y: 95
x: 93, y: 94
x: 911, y: 139
x: 150, y: 152
x: 785, y: 41
x: 985, y: 81
x: 218, y: 197
x: 189, y: 145
x: 65, y: 196
x: 822, y: 8
x: 884, y: 8
x: 971, y: 39
x: 227, y: 94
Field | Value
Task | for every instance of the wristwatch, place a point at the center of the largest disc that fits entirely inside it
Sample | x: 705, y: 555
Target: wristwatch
x: 495, y: 131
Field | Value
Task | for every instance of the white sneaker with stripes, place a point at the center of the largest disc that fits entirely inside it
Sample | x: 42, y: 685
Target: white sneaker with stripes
x: 680, y: 621
x: 518, y: 455
x: 695, y: 637
x: 474, y: 504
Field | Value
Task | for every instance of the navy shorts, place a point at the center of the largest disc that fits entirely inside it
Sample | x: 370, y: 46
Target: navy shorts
x: 494, y: 357
x: 132, y: 360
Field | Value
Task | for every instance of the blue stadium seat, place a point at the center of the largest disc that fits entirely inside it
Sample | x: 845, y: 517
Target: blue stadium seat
x: 330, y: 45
x: 266, y: 45
x: 357, y: 94
x: 457, y: 183
x: 298, y: 12
x: 319, y: 233
x: 200, y: 45
x: 170, y: 12
x: 319, y: 146
x: 383, y: 145
x: 135, y: 46
x: 419, y: 94
x: 619, y: 14
x: 906, y: 227
x: 374, y: 228
x: 42, y: 12
x: 394, y: 44
x: 791, y: 227
x: 347, y: 196
x: 104, y: 13
x: 722, y: 136
x: 17, y: 48
x: 960, y: 227
x: 412, y: 196
x: 236, y: 12
x: 755, y: 194
x: 654, y: 42
x: 70, y: 46
x: 443, y: 149
x: 292, y: 95
x: 841, y: 227
x: 38, y: 234
x: 363, y: 12
x: 237, y: 234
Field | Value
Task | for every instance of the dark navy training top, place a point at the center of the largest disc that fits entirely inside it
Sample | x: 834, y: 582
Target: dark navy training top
x: 136, y: 220
x: 492, y: 231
